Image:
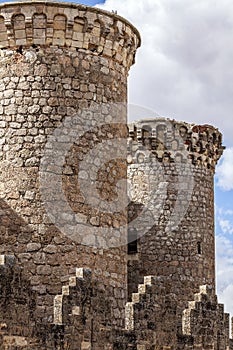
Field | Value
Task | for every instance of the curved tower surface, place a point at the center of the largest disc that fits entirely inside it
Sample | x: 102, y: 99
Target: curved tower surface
x: 63, y: 81
x: 171, y: 172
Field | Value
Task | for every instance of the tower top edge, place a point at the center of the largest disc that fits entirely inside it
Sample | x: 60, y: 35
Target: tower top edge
x: 10, y: 5
x: 153, y: 122
x: 166, y: 138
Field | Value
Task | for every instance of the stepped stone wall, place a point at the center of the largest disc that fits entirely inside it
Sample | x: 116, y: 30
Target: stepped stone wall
x: 205, y: 320
x: 82, y: 322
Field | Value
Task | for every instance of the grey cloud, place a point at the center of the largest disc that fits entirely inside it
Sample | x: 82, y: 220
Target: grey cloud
x: 184, y: 69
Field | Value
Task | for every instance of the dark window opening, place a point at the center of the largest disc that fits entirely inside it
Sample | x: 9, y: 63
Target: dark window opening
x: 132, y: 243
x: 199, y: 247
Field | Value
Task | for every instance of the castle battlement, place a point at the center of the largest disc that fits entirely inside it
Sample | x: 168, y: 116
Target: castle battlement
x: 68, y: 25
x: 173, y: 141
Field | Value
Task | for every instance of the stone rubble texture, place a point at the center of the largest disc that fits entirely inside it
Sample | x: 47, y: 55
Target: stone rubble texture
x: 66, y: 65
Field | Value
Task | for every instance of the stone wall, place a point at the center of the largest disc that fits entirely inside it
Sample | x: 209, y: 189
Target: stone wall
x: 171, y: 169
x: 62, y: 68
x: 81, y: 317
x: 17, y: 306
x: 152, y: 315
x: 205, y: 322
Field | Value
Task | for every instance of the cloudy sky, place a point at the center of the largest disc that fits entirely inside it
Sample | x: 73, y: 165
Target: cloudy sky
x: 185, y: 66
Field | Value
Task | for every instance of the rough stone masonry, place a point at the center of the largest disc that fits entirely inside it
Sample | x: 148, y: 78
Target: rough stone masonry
x: 80, y: 267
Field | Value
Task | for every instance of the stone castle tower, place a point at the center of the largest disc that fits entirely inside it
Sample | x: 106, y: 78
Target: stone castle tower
x: 179, y: 244
x: 69, y: 280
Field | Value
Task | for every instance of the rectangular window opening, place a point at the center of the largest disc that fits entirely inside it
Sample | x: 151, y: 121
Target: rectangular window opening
x: 132, y: 243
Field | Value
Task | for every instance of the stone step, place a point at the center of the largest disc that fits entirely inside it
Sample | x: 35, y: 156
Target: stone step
x: 82, y: 275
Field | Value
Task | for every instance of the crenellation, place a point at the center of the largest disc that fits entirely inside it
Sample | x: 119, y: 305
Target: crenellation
x: 168, y: 139
x: 49, y: 23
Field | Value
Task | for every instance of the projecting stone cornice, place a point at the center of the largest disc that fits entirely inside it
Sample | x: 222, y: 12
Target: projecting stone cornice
x: 48, y: 23
x: 170, y: 140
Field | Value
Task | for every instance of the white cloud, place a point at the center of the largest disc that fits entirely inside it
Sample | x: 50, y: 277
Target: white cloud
x: 226, y: 212
x: 224, y: 172
x: 224, y: 267
x: 184, y: 68
x: 226, y: 226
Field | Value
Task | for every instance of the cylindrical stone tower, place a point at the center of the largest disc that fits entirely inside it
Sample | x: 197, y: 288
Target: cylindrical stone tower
x: 171, y: 220
x: 62, y: 68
